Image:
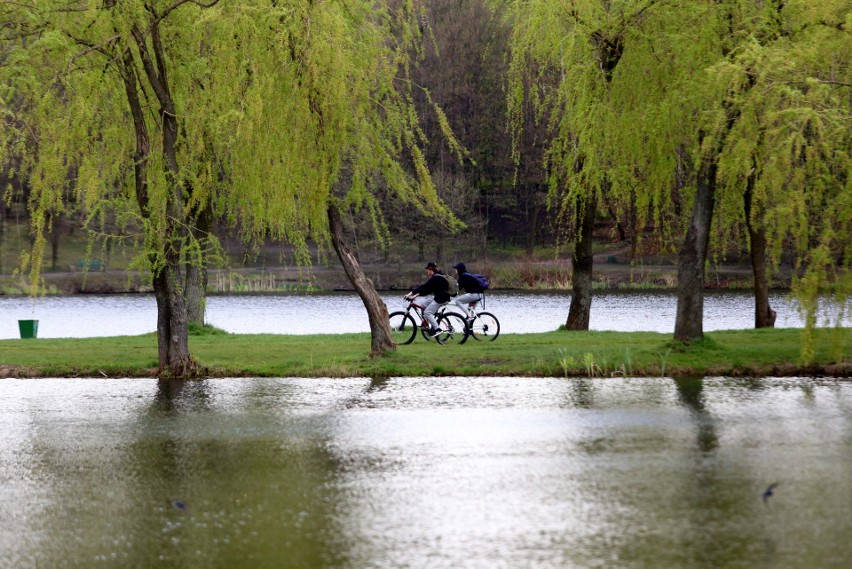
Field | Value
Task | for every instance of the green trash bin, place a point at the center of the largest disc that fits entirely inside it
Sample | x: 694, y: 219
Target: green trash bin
x: 28, y: 328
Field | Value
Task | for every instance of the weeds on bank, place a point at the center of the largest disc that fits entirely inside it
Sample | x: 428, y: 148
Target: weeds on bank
x: 592, y: 368
x: 626, y: 368
x: 595, y: 365
x: 664, y: 358
x: 566, y: 362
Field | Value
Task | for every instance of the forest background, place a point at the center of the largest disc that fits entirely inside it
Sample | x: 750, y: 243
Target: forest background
x: 577, y: 144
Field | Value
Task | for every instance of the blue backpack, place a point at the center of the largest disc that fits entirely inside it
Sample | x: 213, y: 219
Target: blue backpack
x: 483, y: 282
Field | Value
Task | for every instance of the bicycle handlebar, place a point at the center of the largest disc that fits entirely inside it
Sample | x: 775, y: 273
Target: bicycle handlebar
x: 410, y: 302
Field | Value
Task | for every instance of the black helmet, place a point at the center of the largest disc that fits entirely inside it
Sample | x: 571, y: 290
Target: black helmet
x: 460, y: 268
x: 431, y: 265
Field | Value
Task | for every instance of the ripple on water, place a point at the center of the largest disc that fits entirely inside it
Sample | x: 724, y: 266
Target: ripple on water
x: 426, y: 472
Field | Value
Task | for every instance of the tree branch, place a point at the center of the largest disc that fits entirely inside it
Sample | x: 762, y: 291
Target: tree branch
x: 179, y: 3
x: 90, y: 47
x: 148, y: 65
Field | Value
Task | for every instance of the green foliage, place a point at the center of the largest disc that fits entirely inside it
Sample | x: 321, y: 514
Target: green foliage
x: 605, y: 74
x: 280, y: 107
x: 639, y: 91
x: 324, y: 112
x: 791, y: 73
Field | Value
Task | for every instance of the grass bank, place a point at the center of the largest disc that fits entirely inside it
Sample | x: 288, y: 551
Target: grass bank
x: 750, y: 353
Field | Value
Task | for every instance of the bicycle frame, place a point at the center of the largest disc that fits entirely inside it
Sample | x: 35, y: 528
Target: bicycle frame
x: 451, y: 324
x: 412, y: 306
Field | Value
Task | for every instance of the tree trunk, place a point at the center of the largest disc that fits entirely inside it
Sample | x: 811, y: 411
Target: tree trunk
x: 195, y: 285
x: 377, y: 312
x: 764, y: 316
x: 689, y: 323
x: 172, y: 331
x: 582, y: 263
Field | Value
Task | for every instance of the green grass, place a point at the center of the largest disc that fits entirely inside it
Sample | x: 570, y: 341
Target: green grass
x: 559, y: 354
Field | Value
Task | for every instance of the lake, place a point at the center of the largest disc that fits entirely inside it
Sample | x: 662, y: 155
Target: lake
x: 329, y: 313
x: 448, y: 472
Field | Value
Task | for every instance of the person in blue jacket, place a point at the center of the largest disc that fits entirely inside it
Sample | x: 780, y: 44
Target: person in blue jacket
x: 473, y: 290
x: 438, y: 286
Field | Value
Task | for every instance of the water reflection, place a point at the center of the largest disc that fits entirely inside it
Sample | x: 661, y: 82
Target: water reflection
x: 378, y: 383
x: 179, y: 395
x: 691, y: 393
x: 581, y: 394
x: 425, y: 472
x: 712, y: 500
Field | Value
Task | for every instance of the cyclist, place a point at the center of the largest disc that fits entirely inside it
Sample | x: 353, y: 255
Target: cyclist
x: 473, y: 290
x: 438, y: 286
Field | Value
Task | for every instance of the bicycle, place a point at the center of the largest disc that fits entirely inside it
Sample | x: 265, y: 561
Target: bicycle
x: 404, y: 325
x: 482, y: 326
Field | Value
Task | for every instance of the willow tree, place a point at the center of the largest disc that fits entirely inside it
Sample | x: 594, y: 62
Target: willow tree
x: 324, y: 122
x: 788, y: 160
x: 697, y: 115
x: 803, y: 153
x: 116, y: 104
x: 275, y: 115
x: 773, y: 109
x: 327, y: 119
x: 599, y: 79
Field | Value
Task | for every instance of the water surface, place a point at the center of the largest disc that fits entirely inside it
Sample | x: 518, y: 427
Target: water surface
x: 426, y: 473
x: 83, y: 316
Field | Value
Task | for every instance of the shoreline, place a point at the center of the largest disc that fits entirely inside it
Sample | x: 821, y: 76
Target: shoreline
x: 508, y: 276
x: 594, y: 355
x: 838, y: 372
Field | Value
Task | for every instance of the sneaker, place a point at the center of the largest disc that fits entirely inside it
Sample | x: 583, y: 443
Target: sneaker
x: 434, y: 332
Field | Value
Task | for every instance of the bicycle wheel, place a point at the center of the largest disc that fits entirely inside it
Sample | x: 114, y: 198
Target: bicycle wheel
x: 452, y: 328
x: 403, y: 328
x: 485, y: 327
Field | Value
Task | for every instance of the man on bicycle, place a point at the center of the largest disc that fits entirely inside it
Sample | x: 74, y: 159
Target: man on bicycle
x: 438, y: 286
x: 473, y: 290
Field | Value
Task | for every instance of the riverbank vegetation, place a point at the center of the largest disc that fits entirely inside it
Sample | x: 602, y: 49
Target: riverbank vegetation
x: 744, y: 353
x: 508, y: 268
